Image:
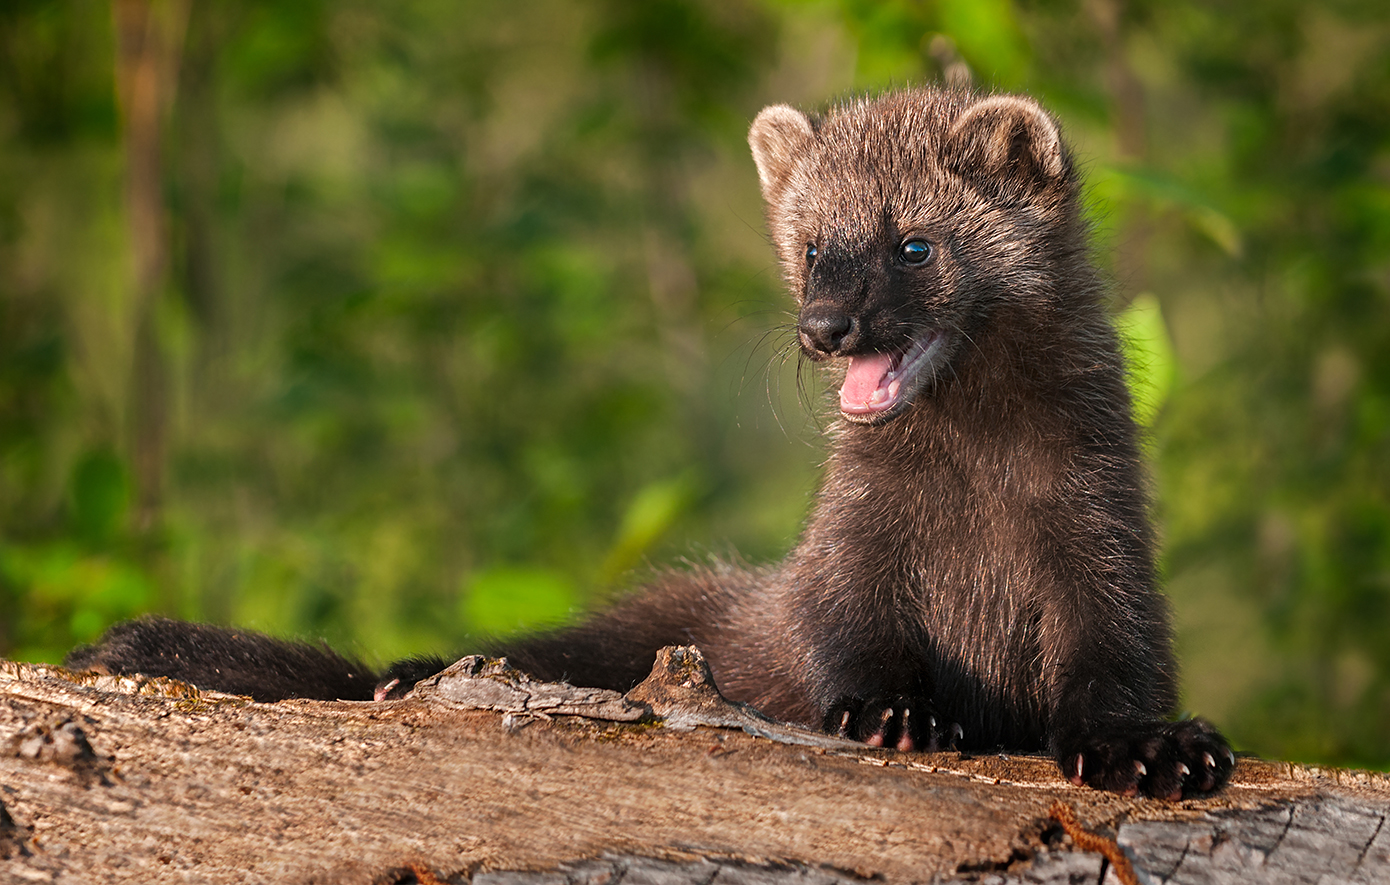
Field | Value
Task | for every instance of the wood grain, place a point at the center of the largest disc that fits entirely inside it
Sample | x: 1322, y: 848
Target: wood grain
x: 180, y: 785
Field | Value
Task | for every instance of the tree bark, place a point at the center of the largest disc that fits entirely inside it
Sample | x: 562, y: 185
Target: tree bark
x: 485, y: 776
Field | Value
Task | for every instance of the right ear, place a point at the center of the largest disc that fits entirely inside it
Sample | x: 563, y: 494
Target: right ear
x: 1008, y: 145
x: 779, y: 137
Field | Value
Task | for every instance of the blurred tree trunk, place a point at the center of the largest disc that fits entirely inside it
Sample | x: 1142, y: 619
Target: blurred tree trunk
x: 195, y: 166
x: 1131, y: 140
x: 149, y: 44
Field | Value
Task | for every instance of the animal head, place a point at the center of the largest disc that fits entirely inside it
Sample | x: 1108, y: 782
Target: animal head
x: 903, y: 221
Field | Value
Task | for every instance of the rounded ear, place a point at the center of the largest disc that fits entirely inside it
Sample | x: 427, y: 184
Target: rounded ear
x: 779, y: 136
x: 1008, y: 144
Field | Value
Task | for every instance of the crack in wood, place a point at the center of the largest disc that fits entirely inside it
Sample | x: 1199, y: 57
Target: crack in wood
x: 1173, y: 873
x: 1288, y: 825
x: 1361, y: 857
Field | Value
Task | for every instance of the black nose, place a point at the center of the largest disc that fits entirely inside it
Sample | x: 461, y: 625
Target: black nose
x: 825, y: 328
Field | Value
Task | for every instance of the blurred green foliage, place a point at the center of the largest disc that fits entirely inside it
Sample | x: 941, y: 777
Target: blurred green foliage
x: 468, y: 314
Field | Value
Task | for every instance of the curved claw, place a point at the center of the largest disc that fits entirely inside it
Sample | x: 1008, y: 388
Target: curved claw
x: 906, y: 724
x: 1164, y: 760
x: 1078, y: 770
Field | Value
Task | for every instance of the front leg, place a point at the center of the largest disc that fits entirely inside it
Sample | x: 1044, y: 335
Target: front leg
x: 1113, y: 690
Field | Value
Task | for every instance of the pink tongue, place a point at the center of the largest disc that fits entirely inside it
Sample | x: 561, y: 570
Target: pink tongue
x: 866, y: 388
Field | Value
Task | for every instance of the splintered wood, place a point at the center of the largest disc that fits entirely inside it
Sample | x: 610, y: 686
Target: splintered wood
x: 1084, y: 839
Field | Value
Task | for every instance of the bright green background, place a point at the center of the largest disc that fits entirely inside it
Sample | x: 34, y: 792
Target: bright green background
x: 469, y: 313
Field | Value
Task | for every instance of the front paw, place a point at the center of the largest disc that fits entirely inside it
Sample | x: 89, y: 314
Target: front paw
x: 904, y: 723
x: 1164, y: 760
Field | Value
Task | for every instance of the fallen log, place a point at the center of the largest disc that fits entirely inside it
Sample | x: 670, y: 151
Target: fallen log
x: 482, y: 775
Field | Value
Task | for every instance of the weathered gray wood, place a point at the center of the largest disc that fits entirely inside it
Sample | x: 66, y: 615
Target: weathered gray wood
x: 118, y: 779
x: 479, y: 683
x: 1322, y: 839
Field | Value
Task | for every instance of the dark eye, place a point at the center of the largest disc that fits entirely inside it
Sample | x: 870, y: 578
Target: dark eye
x: 915, y: 251
x: 811, y: 252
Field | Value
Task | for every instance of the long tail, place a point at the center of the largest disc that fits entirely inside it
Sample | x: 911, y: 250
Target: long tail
x: 234, y: 661
x: 612, y: 649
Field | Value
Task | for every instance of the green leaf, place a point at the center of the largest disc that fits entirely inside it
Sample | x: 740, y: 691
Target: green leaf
x: 1149, y: 356
x: 506, y: 599
x: 653, y: 510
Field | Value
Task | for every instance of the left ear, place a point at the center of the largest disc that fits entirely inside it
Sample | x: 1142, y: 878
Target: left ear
x: 1008, y: 144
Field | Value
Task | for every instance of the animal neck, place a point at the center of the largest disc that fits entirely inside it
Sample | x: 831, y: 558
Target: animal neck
x: 1035, y: 399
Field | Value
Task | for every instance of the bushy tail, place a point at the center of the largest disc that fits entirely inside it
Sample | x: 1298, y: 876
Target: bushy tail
x: 614, y: 648
x: 234, y: 661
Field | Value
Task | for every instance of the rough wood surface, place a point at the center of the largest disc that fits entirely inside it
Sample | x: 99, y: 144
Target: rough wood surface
x: 119, y: 779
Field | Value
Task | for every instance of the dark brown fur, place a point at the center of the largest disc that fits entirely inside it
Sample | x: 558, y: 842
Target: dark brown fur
x: 979, y: 565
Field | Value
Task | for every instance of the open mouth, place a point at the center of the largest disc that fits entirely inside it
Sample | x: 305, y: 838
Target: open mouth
x: 878, y: 384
